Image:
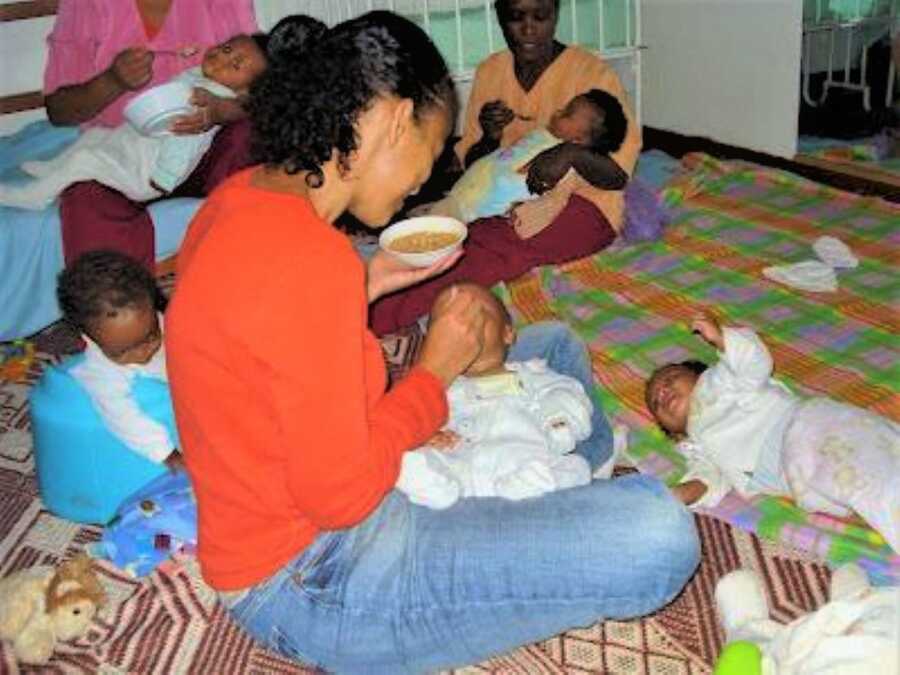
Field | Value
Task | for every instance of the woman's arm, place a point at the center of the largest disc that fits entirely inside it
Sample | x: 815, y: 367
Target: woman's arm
x: 347, y: 439
x: 77, y: 90
x: 77, y: 103
x: 493, y: 118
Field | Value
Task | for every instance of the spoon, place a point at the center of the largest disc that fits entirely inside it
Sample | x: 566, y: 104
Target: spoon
x: 184, y: 52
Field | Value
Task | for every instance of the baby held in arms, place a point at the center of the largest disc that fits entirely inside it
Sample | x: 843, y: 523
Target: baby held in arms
x: 497, y: 182
x: 512, y: 428
x: 741, y: 429
x: 144, y: 167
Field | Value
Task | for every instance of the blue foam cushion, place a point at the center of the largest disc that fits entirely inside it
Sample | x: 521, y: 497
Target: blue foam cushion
x: 83, y: 471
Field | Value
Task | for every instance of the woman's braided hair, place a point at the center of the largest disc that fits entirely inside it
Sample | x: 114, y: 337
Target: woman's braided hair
x: 305, y: 108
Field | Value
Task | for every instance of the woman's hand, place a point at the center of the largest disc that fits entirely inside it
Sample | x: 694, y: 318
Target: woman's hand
x: 455, y: 337
x: 386, y: 274
x: 548, y: 167
x: 707, y: 326
x: 445, y: 439
x: 493, y: 117
x: 132, y: 68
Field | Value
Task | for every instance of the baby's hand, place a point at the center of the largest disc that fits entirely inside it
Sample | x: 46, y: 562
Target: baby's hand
x: 175, y: 462
x: 445, y: 439
x: 709, y: 329
x: 689, y: 492
x: 205, y: 115
x: 159, y: 188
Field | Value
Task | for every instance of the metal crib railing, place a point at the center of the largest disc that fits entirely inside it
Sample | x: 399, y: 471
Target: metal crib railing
x: 820, y: 23
x: 487, y: 38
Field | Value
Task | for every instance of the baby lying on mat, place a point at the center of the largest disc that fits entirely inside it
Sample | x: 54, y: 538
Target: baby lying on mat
x: 512, y: 428
x: 741, y: 429
x: 497, y: 182
x: 143, y: 167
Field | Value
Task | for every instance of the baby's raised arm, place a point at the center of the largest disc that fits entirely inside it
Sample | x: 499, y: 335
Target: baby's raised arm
x: 708, y: 327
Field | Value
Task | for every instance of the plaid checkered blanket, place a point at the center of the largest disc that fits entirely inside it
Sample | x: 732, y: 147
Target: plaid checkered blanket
x: 631, y: 305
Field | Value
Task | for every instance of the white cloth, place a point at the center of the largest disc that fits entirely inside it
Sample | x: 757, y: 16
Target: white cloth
x: 817, y: 276
x: 856, y: 633
x: 736, y: 423
x: 517, y: 430
x: 809, y: 275
x: 120, y: 158
x: 832, y: 251
x: 109, y: 384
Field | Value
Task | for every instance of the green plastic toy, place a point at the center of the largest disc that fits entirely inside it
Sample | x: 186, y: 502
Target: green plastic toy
x: 739, y: 658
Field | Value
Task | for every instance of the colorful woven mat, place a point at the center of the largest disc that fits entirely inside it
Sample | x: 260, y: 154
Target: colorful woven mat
x: 632, y: 304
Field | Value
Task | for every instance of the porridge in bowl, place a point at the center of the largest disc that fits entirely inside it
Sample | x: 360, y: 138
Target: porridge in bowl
x: 424, y: 240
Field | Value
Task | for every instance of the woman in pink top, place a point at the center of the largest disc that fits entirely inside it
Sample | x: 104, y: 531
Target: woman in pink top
x: 102, y: 53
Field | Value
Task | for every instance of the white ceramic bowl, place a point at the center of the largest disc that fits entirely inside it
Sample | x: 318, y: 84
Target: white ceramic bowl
x: 423, y: 224
x: 153, y: 111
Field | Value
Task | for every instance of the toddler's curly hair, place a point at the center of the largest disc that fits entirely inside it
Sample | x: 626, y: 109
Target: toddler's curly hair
x: 99, y: 283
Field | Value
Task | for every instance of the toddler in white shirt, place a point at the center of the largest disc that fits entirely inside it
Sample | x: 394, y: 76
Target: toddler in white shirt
x: 740, y: 429
x: 114, y: 301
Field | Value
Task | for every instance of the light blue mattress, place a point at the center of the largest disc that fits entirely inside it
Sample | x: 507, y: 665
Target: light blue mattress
x: 31, y: 241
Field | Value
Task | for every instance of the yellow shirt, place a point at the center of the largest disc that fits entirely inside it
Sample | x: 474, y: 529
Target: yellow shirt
x: 574, y: 72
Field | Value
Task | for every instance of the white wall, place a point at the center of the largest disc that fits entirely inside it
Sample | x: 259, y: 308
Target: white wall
x: 725, y: 69
x: 23, y: 54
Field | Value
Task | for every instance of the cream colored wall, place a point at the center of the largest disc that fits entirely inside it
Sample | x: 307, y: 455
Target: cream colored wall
x: 724, y: 69
x: 22, y: 58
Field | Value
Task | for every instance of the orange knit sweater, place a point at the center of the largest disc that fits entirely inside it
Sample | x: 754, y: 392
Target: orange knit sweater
x: 278, y: 385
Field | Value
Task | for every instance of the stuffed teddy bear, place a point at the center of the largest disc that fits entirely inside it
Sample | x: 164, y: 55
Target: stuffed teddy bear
x: 855, y: 633
x: 43, y: 604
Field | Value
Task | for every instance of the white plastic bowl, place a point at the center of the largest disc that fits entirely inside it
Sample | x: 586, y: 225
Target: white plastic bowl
x: 153, y: 111
x: 423, y: 224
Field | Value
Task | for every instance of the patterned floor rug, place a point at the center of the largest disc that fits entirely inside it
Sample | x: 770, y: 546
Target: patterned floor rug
x: 171, y: 622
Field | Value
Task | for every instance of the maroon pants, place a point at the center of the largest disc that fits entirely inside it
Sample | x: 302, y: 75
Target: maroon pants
x: 494, y: 253
x: 95, y: 216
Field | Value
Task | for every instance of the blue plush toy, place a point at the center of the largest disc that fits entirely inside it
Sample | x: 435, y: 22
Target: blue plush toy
x: 156, y: 521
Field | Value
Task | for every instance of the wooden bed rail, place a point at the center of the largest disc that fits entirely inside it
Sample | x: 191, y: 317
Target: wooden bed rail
x: 19, y: 11
x: 28, y: 9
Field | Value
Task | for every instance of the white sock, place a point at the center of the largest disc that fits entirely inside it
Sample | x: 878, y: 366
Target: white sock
x: 740, y: 598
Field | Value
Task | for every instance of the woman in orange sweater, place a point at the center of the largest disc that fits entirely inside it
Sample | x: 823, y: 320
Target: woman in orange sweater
x: 291, y: 440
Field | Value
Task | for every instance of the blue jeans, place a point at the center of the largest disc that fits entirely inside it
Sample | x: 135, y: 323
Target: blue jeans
x: 566, y: 353
x: 411, y: 589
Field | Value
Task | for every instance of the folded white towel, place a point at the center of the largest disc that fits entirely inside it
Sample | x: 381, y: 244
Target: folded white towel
x: 834, y: 252
x: 809, y: 275
x: 816, y: 275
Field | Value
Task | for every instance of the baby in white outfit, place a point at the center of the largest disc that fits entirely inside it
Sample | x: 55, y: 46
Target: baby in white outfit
x: 512, y: 428
x: 741, y: 429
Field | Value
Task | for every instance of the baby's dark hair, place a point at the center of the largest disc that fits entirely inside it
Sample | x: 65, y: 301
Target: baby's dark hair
x: 305, y: 110
x: 262, y: 42
x: 99, y: 283
x: 293, y: 35
x: 609, y: 128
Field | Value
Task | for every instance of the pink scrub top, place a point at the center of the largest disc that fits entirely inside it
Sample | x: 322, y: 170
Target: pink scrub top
x: 88, y: 34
